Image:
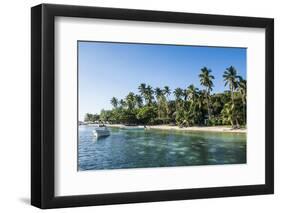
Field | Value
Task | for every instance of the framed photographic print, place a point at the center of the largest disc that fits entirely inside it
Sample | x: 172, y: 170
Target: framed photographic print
x: 139, y: 106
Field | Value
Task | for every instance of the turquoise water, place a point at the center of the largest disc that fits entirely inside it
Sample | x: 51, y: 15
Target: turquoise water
x: 158, y: 148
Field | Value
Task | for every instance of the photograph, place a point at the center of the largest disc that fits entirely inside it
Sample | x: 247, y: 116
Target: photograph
x: 135, y: 105
x: 160, y: 105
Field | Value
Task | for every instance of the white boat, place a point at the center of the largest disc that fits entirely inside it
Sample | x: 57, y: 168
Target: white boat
x: 91, y: 124
x: 81, y: 123
x: 101, y: 132
x: 133, y: 127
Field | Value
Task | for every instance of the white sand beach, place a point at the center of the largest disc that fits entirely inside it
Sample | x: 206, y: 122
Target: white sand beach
x: 194, y: 128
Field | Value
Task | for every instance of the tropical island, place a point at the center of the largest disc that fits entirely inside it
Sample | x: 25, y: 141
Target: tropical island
x: 160, y: 105
x: 191, y: 108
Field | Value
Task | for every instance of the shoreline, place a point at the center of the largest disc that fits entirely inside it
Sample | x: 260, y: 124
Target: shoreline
x: 194, y: 128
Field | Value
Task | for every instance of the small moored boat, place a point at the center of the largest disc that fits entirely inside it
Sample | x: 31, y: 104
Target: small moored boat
x: 135, y: 127
x: 101, y: 131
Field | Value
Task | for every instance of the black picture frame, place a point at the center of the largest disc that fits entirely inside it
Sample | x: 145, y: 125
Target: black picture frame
x: 43, y: 101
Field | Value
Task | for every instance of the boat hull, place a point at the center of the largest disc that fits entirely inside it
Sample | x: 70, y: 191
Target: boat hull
x: 134, y: 127
x: 101, y: 133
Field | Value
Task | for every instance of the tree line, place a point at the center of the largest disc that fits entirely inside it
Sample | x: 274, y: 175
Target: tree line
x: 190, y: 106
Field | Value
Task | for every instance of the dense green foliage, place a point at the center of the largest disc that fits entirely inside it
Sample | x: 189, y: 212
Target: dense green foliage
x: 190, y: 106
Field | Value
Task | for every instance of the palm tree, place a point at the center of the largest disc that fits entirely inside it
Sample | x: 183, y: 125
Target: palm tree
x: 191, y: 95
x: 131, y: 101
x: 161, y: 102
x: 184, y: 93
x: 231, y: 79
x: 149, y: 95
x: 199, y: 106
x: 88, y: 117
x: 179, y: 113
x: 178, y: 93
x: 242, y: 88
x: 192, y: 92
x: 167, y: 91
x: 201, y: 98
x: 122, y: 103
x: 158, y: 93
x: 114, y: 102
x: 206, y: 81
x: 138, y: 100
x: 142, y: 89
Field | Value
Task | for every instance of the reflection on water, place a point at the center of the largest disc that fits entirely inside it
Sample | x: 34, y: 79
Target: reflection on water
x: 157, y: 148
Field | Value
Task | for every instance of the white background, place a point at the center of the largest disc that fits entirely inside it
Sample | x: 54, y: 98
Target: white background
x: 70, y: 182
x: 15, y: 106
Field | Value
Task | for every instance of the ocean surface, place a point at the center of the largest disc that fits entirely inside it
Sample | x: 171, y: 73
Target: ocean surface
x: 158, y: 148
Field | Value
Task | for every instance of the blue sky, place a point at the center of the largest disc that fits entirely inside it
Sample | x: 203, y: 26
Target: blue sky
x: 114, y: 69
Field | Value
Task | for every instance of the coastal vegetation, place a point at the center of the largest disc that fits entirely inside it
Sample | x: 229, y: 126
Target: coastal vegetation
x: 189, y: 106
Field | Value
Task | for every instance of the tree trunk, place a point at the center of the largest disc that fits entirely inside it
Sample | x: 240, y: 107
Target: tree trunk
x: 237, y: 123
x: 208, y: 105
x: 232, y: 123
x: 232, y: 95
x: 234, y: 115
x: 244, y: 113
